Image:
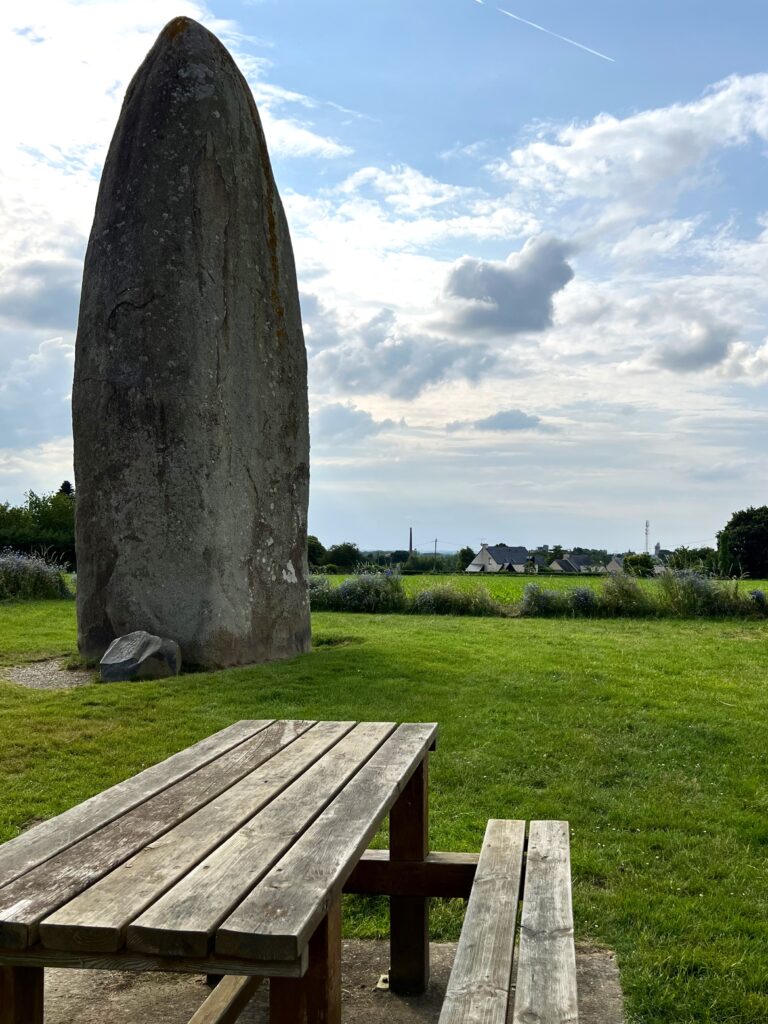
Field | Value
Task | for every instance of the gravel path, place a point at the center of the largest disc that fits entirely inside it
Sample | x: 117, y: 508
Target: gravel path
x: 47, y: 675
x: 107, y: 997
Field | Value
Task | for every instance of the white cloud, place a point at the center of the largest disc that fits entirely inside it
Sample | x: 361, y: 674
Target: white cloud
x: 406, y: 190
x: 612, y: 157
x: 343, y: 423
x: 35, y: 392
x: 652, y: 241
x: 41, y: 294
x: 40, y: 468
x: 505, y: 421
x: 699, y: 346
x: 490, y: 297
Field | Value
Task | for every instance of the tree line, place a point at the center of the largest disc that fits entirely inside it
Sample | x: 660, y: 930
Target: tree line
x: 45, y: 523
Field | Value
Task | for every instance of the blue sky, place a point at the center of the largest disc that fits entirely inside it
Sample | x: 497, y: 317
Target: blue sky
x: 533, y: 280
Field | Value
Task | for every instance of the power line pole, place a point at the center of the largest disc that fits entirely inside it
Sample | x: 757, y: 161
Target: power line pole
x: 647, y: 531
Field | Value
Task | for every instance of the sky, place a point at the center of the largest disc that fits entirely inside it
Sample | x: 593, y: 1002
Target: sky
x: 533, y: 265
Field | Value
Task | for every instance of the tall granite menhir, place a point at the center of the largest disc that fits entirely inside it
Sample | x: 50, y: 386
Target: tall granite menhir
x: 190, y: 393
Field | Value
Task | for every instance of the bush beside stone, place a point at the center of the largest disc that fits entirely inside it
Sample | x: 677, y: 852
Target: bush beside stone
x: 30, y: 577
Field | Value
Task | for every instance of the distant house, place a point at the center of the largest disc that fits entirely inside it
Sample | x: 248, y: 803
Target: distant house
x: 616, y: 564
x: 573, y: 564
x: 499, y: 558
x: 563, y: 565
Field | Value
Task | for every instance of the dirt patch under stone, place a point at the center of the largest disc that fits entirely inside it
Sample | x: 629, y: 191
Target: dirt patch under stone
x: 112, y: 997
x: 48, y: 675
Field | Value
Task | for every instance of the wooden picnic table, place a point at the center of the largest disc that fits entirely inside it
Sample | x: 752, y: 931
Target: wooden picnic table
x: 229, y: 859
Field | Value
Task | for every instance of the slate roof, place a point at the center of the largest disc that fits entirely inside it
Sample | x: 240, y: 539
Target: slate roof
x: 503, y: 554
x: 579, y: 561
x: 564, y: 565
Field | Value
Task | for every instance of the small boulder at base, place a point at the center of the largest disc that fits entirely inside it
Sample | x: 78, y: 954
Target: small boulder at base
x: 140, y: 655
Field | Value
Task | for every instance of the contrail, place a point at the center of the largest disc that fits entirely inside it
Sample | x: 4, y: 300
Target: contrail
x: 541, y: 28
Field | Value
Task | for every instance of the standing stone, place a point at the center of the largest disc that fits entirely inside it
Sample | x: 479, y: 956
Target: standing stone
x: 190, y: 393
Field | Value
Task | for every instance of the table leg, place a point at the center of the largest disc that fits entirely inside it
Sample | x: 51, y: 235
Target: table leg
x: 409, y: 915
x: 315, y: 998
x: 21, y: 995
x: 323, y: 977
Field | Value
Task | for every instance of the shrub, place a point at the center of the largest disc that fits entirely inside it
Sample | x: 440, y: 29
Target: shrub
x: 447, y: 600
x: 371, y: 593
x: 543, y: 603
x: 623, y: 596
x: 28, y: 577
x: 690, y: 595
x: 322, y: 594
x: 371, y: 569
x: 584, y: 602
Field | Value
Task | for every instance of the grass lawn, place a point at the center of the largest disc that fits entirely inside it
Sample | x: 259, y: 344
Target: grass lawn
x: 649, y: 736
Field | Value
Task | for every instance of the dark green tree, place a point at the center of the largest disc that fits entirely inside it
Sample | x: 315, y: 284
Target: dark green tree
x: 464, y: 557
x: 345, y: 555
x: 67, y: 488
x: 555, y: 552
x: 398, y: 557
x: 742, y: 544
x: 44, y: 523
x: 316, y: 552
x: 694, y: 559
x: 639, y: 565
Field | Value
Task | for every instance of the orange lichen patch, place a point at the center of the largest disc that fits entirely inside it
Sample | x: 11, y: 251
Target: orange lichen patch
x: 175, y: 27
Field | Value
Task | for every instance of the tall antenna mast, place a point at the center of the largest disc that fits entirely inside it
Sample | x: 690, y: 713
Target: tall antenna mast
x: 647, y: 531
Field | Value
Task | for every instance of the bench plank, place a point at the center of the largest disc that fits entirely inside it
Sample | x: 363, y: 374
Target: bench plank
x: 182, y: 922
x: 36, y: 894
x: 50, y: 837
x: 481, y: 979
x: 38, y: 956
x: 227, y: 1001
x: 449, y: 875
x: 97, y: 919
x: 546, y: 974
x: 282, y: 912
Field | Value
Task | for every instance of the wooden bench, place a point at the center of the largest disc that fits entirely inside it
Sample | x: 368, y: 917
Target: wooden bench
x: 482, y: 987
x: 230, y: 858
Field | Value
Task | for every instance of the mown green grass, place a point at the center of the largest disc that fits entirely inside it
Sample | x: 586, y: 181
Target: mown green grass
x: 648, y: 736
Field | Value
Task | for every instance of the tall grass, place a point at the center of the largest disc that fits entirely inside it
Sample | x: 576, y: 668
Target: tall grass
x: 682, y: 595
x: 381, y: 593
x: 30, y: 577
x: 674, y: 594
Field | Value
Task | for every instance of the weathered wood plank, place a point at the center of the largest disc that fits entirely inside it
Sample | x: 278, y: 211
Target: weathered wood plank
x: 409, y: 915
x: 546, y: 974
x: 287, y: 1001
x: 479, y: 989
x: 50, y: 837
x: 21, y: 995
x: 183, y: 921
x: 315, y: 998
x: 97, y: 919
x: 323, y: 977
x: 448, y: 875
x: 37, y: 956
x: 282, y: 912
x: 36, y: 894
x: 227, y: 1001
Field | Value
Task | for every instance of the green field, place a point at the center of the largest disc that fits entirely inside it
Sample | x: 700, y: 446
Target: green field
x: 649, y: 736
x: 508, y: 589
